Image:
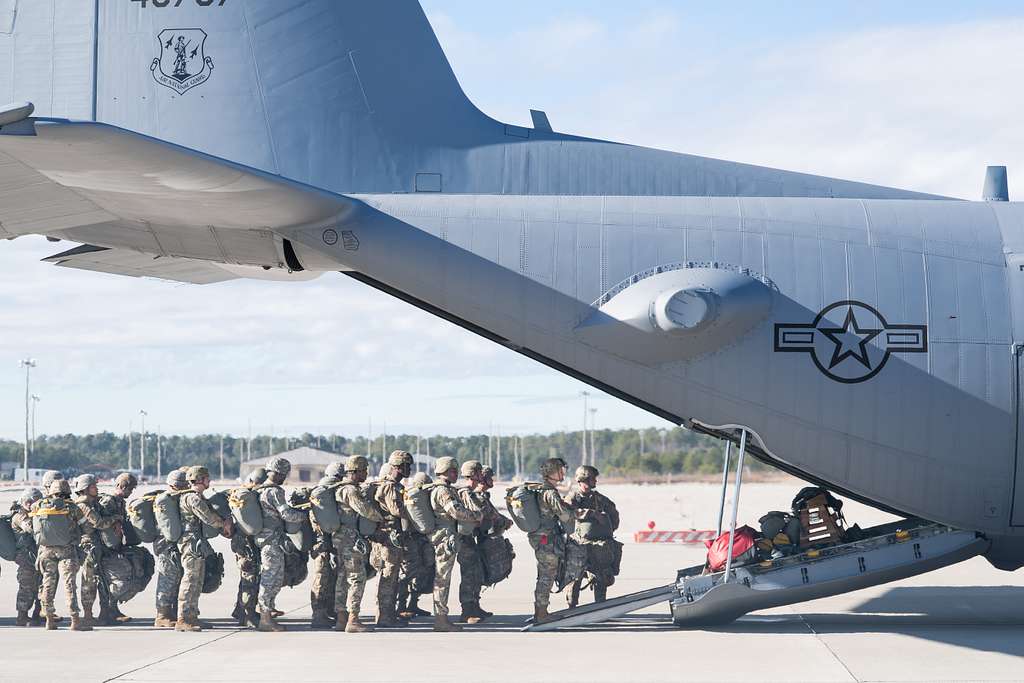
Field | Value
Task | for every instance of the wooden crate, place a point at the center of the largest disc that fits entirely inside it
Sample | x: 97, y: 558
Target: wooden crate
x: 818, y: 524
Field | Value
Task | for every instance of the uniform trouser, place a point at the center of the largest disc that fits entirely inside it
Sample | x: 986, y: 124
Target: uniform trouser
x: 247, y: 557
x: 168, y: 578
x: 321, y: 591
x: 29, y: 580
x: 351, y: 582
x: 471, y: 566
x: 193, y: 571
x: 549, y: 555
x: 53, y: 561
x: 446, y: 549
x: 271, y: 570
x: 387, y: 560
x: 91, y: 576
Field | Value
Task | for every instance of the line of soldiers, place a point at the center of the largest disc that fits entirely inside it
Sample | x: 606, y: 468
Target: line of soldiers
x: 409, y: 564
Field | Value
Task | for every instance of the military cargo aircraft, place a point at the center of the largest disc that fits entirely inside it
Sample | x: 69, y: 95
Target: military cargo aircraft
x: 863, y: 337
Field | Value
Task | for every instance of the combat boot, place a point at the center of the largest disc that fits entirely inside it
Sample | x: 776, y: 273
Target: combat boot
x: 117, y: 615
x: 51, y: 622
x: 387, y: 619
x: 540, y: 615
x: 414, y: 608
x: 268, y: 623
x: 481, y: 612
x: 164, y: 618
x: 469, y: 614
x: 341, y: 621
x: 252, y: 619
x: 37, y: 618
x: 187, y: 623
x: 276, y: 613
x: 106, y: 618
x: 78, y: 625
x: 22, y: 619
x: 355, y: 626
x: 320, y: 620
x: 441, y: 623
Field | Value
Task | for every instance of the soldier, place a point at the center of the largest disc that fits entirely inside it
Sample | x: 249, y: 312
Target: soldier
x: 49, y: 476
x: 193, y: 546
x: 596, y: 521
x: 493, y: 522
x: 55, y: 525
x: 416, y: 576
x: 28, y: 575
x: 386, y: 553
x: 325, y: 575
x: 449, y: 511
x: 168, y: 566
x: 124, y: 485
x: 270, y: 541
x: 470, y: 565
x: 90, y: 546
x: 548, y: 542
x: 247, y: 556
x: 351, y: 547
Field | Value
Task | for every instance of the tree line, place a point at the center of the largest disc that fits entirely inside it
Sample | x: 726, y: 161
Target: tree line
x: 620, y: 452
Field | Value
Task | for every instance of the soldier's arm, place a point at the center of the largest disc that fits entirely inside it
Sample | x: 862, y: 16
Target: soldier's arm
x: 455, y: 508
x: 613, y: 514
x: 390, y: 499
x: 275, y: 496
x: 499, y: 522
x: 205, y: 513
x: 557, y: 506
x: 351, y: 496
x: 22, y: 522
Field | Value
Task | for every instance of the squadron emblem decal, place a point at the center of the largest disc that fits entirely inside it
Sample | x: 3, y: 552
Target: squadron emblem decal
x: 849, y: 341
x: 182, y: 64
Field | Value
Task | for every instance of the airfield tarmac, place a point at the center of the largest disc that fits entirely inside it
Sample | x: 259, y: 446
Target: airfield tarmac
x: 959, y: 623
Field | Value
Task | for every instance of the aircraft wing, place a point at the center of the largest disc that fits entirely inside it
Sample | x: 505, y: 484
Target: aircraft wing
x: 156, y: 209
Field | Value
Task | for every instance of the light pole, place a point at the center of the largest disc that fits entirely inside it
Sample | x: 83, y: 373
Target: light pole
x: 593, y: 448
x: 583, y: 442
x: 28, y: 364
x: 142, y: 446
x: 35, y: 400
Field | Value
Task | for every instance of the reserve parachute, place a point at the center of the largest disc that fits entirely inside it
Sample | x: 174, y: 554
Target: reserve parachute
x: 8, y: 540
x: 142, y: 518
x: 418, y: 508
x: 52, y: 524
x: 365, y: 526
x: 523, y: 503
x: 218, y: 502
x: 167, y: 510
x: 246, y: 511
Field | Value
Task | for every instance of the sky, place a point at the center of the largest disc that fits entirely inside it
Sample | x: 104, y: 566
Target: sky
x: 921, y: 95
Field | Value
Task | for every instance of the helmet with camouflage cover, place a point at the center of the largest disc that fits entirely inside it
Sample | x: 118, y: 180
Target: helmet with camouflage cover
x: 195, y: 473
x: 279, y: 466
x: 443, y: 464
x: 584, y: 472
x: 399, y: 458
x: 550, y: 467
x: 50, y: 476
x: 83, y: 482
x: 59, y: 487
x: 126, y: 480
x: 30, y: 496
x: 354, y: 463
x: 470, y: 467
x: 256, y: 477
x: 334, y: 470
x: 487, y: 473
x: 176, y: 479
x: 421, y: 479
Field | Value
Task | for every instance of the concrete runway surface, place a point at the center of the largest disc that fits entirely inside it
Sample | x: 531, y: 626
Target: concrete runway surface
x: 960, y: 623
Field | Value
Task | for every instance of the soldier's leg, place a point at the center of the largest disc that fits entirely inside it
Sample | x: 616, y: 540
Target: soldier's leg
x: 193, y: 570
x: 600, y: 589
x: 89, y: 583
x: 69, y: 569
x: 28, y: 583
x: 355, y: 569
x: 341, y: 579
x: 471, y: 567
x: 271, y: 574
x: 48, y: 566
x: 445, y: 553
x: 249, y: 578
x: 547, y: 572
x: 387, y: 584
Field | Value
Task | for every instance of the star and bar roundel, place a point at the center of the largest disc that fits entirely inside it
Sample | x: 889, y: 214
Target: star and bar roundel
x: 857, y: 348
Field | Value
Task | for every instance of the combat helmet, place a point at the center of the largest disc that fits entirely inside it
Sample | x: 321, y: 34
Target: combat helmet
x: 83, y: 482
x: 470, y: 467
x: 176, y: 479
x: 126, y: 480
x: 420, y: 479
x: 59, y: 487
x: 584, y: 472
x: 443, y: 464
x: 551, y: 466
x: 257, y: 476
x: 354, y: 463
x: 399, y: 458
x: 30, y: 496
x: 49, y: 476
x: 195, y: 473
x: 279, y: 466
x: 334, y: 470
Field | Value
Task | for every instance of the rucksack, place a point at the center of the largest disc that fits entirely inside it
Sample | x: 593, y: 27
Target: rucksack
x: 142, y: 519
x: 419, y: 510
x: 776, y: 522
x: 8, y: 539
x: 246, y: 510
x: 167, y: 510
x: 296, y: 565
x: 108, y: 507
x: 497, y: 555
x: 573, y: 564
x: 218, y: 502
x: 743, y: 549
x: 808, y: 493
x: 51, y: 522
x: 213, y: 574
x: 301, y: 535
x: 324, y: 504
x: 523, y: 503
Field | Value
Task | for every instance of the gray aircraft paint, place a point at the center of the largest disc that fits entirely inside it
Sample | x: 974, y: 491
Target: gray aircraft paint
x: 925, y: 424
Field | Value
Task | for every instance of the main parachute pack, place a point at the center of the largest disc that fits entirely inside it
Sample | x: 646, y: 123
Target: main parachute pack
x: 8, y: 539
x: 142, y: 517
x: 52, y: 524
x: 419, y: 510
x: 167, y: 510
x: 523, y: 503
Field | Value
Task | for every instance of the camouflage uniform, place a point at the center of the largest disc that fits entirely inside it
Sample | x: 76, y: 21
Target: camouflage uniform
x: 114, y: 505
x: 247, y: 558
x: 548, y: 542
x: 416, y: 576
x: 386, y: 555
x: 325, y: 574
x: 471, y: 564
x: 351, y: 548
x: 449, y: 511
x: 29, y: 578
x: 168, y: 575
x: 270, y: 541
x: 90, y: 549
x: 194, y: 549
x: 52, y: 561
x: 600, y: 511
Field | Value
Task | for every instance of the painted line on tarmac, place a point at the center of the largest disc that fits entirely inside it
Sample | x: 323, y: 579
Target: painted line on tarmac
x: 832, y: 652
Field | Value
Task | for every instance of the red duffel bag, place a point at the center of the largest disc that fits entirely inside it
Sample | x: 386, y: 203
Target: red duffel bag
x: 718, y: 549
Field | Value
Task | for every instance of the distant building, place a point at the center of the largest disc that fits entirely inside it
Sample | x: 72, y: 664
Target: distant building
x: 7, y: 469
x: 34, y: 474
x: 308, y: 464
